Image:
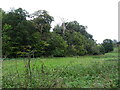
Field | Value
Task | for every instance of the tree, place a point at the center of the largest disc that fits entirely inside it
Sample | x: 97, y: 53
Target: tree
x: 17, y: 31
x: 39, y: 46
x: 42, y: 22
x: 91, y: 47
x: 76, y: 43
x: 108, y: 45
x: 6, y: 41
x: 79, y: 41
x: 21, y: 36
x: 75, y: 26
x: 71, y: 27
x: 57, y: 45
x: 15, y: 16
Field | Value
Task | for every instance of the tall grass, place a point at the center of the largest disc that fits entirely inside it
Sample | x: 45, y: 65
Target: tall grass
x: 81, y: 72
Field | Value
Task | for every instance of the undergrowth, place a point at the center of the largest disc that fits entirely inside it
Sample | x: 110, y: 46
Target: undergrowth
x: 96, y: 75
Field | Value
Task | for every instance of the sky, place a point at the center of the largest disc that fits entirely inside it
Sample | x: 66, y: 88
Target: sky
x: 100, y: 16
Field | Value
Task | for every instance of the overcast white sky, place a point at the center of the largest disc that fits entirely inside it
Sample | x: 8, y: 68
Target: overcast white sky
x: 101, y: 16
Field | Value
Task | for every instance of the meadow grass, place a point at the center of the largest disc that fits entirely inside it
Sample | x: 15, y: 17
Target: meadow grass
x: 100, y: 71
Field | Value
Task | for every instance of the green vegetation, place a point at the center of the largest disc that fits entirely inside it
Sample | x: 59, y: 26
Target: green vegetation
x: 108, y: 45
x: 99, y: 71
x: 66, y: 57
x: 26, y: 34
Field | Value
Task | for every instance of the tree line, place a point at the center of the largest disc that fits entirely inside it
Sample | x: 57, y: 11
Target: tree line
x: 24, y: 33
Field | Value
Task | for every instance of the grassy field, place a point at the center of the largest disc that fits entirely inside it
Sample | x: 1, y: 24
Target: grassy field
x: 67, y: 72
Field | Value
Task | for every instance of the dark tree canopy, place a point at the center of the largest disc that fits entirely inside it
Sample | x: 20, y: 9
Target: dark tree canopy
x: 21, y: 35
x: 108, y: 45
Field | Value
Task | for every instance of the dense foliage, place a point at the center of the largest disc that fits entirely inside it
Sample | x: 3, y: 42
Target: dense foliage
x: 25, y: 33
x: 108, y: 45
